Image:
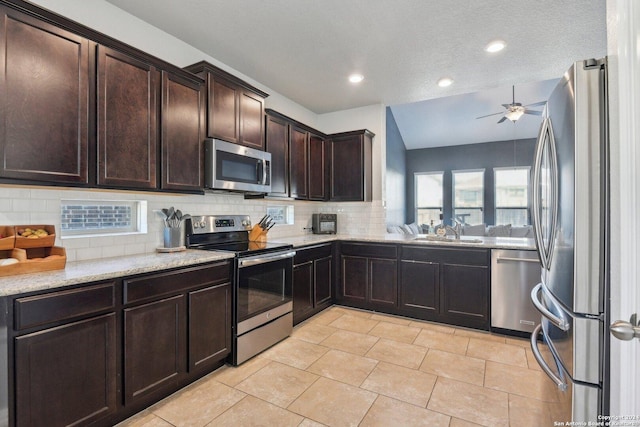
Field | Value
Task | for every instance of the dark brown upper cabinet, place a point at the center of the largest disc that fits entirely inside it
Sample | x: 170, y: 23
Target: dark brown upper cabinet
x: 298, y: 163
x: 350, y: 164
x: 298, y: 158
x: 318, y: 167
x: 128, y: 90
x: 182, y: 133
x: 277, y: 143
x: 44, y: 101
x: 235, y: 109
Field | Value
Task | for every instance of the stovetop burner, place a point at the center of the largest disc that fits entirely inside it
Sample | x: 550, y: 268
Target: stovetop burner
x: 229, y: 233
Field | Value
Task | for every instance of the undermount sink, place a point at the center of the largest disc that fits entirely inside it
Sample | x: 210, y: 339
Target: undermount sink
x: 432, y: 238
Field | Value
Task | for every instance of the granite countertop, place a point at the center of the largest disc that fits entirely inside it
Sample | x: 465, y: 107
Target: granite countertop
x: 109, y: 268
x: 421, y: 239
x: 105, y: 269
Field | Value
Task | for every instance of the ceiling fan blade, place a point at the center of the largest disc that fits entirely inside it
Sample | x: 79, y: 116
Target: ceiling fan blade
x: 506, y: 105
x: 502, y: 119
x: 536, y: 104
x: 533, y: 112
x: 489, y: 115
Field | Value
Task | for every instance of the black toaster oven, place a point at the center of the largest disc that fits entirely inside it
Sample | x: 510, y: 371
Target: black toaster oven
x: 324, y: 223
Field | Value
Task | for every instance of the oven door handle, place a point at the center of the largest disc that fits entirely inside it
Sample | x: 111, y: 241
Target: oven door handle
x: 263, y: 259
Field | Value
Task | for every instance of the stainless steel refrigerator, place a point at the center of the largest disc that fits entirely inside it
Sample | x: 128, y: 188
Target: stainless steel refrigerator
x: 570, y: 210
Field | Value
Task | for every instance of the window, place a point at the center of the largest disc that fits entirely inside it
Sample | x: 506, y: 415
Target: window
x: 468, y: 196
x: 512, y: 195
x: 428, y: 197
x: 83, y: 218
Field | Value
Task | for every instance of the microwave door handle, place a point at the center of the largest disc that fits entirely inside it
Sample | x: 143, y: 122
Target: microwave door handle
x: 264, y: 171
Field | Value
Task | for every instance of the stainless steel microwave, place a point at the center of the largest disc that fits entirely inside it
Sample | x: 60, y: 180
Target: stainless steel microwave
x: 234, y: 167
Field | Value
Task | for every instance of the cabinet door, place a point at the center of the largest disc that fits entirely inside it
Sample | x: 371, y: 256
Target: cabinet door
x: 322, y: 280
x: 354, y: 278
x: 317, y: 168
x: 302, y: 291
x: 127, y: 120
x: 465, y: 292
x: 209, y: 326
x: 299, y: 161
x: 251, y: 120
x: 223, y: 110
x: 44, y: 101
x: 383, y: 282
x: 154, y: 348
x: 183, y: 126
x: 346, y: 169
x: 419, y: 287
x: 66, y: 375
x: 277, y: 143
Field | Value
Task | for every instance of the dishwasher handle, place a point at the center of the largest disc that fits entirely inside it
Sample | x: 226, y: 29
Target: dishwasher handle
x: 504, y: 258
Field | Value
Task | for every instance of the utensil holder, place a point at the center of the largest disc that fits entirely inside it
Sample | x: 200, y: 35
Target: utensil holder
x: 257, y: 234
x: 172, y: 237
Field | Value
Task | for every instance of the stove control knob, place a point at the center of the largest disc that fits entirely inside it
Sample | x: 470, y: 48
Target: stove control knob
x: 202, y: 224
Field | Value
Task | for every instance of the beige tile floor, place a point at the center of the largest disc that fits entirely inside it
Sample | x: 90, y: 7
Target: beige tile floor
x: 346, y: 367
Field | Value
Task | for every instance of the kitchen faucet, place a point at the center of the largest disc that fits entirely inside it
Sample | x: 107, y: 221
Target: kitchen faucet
x: 456, y: 229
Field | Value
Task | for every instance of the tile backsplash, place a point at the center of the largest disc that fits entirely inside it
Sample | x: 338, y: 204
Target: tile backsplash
x: 41, y: 205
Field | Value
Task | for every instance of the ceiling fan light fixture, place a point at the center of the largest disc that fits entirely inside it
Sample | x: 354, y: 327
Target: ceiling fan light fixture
x: 445, y: 82
x: 495, y: 46
x: 514, y: 114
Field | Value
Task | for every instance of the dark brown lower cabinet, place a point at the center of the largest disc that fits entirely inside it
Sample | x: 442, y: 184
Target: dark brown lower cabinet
x: 312, y: 281
x: 66, y: 375
x: 420, y: 289
x: 154, y: 348
x: 449, y: 285
x: 209, y: 326
x: 465, y: 291
x: 97, y: 354
x: 368, y: 275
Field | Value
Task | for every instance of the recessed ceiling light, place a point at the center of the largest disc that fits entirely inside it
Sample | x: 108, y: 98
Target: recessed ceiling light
x: 356, y: 78
x: 445, y: 81
x: 495, y: 46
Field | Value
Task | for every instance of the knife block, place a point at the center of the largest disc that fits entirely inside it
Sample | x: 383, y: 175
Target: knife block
x: 257, y: 234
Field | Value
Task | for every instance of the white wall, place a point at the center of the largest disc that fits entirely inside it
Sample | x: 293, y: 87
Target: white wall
x: 41, y: 205
x: 372, y: 117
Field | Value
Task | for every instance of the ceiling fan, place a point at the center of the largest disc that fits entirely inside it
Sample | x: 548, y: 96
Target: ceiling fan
x: 515, y: 110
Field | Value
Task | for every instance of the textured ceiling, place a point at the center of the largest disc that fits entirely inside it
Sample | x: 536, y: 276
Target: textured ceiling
x: 305, y: 49
x: 453, y: 120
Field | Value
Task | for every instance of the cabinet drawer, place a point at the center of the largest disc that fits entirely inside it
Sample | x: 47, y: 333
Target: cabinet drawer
x: 56, y: 306
x: 446, y: 255
x: 369, y: 250
x: 311, y: 253
x: 174, y: 282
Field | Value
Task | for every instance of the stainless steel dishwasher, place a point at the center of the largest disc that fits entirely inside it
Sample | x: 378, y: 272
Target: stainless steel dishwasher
x: 513, y: 274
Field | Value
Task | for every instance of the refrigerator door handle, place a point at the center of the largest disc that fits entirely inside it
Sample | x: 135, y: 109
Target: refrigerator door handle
x: 545, y: 138
x: 562, y: 385
x: 539, y: 305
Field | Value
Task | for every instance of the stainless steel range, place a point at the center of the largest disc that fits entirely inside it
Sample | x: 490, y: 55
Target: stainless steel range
x: 262, y: 294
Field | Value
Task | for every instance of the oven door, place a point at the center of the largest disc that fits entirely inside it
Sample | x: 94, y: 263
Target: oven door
x: 264, y: 284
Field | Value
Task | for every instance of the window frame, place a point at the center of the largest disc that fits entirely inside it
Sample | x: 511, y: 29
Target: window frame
x: 138, y: 221
x: 453, y: 192
x: 495, y: 193
x: 415, y: 192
